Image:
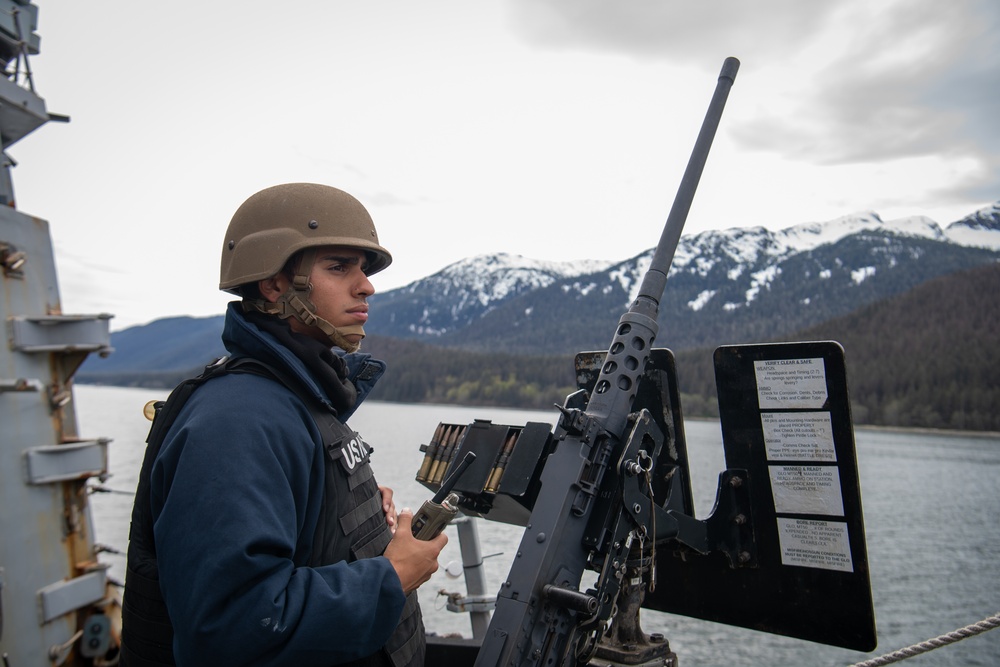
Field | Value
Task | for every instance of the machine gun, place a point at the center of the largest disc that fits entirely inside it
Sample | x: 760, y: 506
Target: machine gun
x: 610, y: 484
x: 596, y: 484
x: 601, y: 460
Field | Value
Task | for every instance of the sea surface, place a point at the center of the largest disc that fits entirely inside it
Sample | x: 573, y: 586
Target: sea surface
x: 931, y: 508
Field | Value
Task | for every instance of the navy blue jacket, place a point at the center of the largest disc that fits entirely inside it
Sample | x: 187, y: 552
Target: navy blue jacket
x: 236, y: 494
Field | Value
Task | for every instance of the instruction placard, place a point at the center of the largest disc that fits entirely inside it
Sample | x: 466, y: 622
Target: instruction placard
x: 812, y: 543
x: 798, y: 436
x: 806, y: 490
x: 790, y: 383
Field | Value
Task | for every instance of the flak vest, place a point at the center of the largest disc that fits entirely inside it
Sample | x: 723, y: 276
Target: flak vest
x: 357, y: 531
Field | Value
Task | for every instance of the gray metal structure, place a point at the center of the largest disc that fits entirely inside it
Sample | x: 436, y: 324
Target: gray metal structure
x: 56, y: 603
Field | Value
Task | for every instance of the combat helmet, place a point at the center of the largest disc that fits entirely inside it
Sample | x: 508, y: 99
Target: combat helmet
x: 270, y: 227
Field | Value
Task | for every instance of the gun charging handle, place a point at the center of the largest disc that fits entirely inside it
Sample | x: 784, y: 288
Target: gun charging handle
x: 438, y: 512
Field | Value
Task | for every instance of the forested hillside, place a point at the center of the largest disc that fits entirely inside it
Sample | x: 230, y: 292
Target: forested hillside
x: 928, y: 358
x: 421, y: 373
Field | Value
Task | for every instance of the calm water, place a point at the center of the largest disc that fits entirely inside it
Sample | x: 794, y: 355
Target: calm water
x: 931, y: 506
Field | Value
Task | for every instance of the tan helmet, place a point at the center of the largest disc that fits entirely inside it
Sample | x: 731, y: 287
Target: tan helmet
x: 277, y: 222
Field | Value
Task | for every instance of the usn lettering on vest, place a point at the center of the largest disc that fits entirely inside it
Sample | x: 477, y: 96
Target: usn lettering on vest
x: 354, y: 453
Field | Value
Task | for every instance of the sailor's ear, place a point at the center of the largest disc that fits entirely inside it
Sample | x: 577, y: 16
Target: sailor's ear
x: 273, y: 287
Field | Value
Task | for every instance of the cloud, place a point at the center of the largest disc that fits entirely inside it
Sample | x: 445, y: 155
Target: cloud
x: 683, y: 30
x: 881, y: 97
x: 851, y: 82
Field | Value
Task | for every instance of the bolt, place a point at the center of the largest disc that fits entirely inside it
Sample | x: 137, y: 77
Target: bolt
x: 736, y: 482
x: 744, y: 556
x: 740, y: 519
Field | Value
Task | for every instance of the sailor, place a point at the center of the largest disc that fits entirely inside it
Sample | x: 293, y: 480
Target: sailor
x: 259, y: 535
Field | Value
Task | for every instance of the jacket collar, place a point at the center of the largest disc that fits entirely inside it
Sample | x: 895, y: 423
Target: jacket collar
x: 244, y: 338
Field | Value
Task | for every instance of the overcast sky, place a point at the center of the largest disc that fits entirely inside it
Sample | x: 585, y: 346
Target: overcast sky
x: 553, y: 129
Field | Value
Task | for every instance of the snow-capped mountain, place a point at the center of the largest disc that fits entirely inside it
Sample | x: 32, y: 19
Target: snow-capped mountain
x: 982, y: 228
x: 470, y: 288
x: 747, y: 283
x: 730, y: 286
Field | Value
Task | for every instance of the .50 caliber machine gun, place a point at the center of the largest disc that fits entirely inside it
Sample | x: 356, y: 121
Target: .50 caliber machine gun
x: 609, y: 492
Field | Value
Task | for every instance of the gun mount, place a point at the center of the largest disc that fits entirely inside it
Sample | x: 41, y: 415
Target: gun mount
x: 608, y: 492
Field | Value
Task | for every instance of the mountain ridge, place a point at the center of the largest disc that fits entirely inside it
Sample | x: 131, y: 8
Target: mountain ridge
x: 716, y: 278
x: 733, y: 285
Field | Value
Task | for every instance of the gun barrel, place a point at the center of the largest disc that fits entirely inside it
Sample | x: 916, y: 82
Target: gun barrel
x: 637, y: 329
x: 655, y: 279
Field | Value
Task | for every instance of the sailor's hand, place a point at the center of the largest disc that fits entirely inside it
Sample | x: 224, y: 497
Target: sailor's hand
x: 414, y: 560
x: 388, y: 507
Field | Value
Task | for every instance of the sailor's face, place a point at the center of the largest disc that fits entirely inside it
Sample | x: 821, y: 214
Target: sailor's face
x: 340, y: 287
x: 339, y: 294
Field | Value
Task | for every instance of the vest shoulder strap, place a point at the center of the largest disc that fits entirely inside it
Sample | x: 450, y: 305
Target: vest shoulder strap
x: 166, y: 411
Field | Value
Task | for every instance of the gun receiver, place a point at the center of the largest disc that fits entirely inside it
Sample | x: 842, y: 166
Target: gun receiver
x: 540, y: 609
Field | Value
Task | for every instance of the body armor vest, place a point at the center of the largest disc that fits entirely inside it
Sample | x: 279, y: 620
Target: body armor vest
x: 358, y: 531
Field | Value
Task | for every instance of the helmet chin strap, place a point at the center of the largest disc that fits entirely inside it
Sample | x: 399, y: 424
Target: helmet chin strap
x: 295, y: 303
